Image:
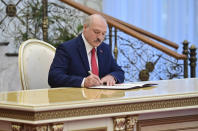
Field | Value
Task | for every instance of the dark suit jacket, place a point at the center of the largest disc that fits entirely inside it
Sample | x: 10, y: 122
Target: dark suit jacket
x: 70, y: 64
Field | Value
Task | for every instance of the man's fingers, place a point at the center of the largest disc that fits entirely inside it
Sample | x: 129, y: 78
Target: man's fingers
x: 110, y: 83
x: 95, y: 78
x: 109, y: 80
x: 92, y: 80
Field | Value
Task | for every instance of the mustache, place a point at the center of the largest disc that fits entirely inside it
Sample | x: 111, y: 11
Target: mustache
x: 97, y: 40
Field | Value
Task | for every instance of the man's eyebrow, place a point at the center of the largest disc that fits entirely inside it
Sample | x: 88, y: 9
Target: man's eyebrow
x: 96, y: 29
x: 99, y: 30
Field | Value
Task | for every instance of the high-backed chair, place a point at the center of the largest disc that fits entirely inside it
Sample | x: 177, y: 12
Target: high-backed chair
x: 35, y: 58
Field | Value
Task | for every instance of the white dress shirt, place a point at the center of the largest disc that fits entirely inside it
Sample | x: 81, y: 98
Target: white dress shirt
x: 88, y: 50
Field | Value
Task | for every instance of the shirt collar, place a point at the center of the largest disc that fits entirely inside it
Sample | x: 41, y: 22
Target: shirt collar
x: 87, y: 45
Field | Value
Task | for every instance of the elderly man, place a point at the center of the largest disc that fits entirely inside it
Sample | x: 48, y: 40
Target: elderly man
x: 86, y: 60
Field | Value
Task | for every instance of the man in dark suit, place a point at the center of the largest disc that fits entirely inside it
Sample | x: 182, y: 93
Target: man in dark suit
x: 76, y: 64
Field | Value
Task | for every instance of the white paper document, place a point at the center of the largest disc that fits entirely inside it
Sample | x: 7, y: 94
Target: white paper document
x: 125, y: 86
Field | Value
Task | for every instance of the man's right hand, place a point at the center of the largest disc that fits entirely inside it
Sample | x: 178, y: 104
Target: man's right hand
x: 92, y: 80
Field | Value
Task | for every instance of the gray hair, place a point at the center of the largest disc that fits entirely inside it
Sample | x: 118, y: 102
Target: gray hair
x: 88, y: 19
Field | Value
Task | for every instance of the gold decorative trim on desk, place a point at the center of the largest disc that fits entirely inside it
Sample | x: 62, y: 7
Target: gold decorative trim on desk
x: 44, y: 127
x: 125, y: 123
x: 97, y: 110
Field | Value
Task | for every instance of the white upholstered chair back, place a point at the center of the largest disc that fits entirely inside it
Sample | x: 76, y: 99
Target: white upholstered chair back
x: 35, y: 58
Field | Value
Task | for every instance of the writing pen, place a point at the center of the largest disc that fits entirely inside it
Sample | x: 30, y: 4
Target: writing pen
x: 149, y: 85
x: 90, y: 73
x: 143, y: 86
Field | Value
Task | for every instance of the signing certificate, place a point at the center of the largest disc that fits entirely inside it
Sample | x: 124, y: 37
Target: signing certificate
x: 124, y: 86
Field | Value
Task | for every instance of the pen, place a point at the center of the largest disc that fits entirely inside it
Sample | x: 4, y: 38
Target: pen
x: 143, y: 86
x: 90, y: 72
x: 149, y: 85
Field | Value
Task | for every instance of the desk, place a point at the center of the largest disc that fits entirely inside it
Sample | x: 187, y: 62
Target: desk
x: 163, y: 107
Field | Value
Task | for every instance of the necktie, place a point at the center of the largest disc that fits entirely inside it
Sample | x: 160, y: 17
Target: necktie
x: 94, y: 66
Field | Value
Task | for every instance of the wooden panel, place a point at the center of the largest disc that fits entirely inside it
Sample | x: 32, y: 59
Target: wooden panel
x: 93, y: 129
x: 184, y: 123
x: 5, y: 126
x: 186, y: 126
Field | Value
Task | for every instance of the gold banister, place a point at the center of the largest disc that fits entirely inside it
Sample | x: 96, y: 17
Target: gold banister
x: 127, y: 30
x: 146, y: 33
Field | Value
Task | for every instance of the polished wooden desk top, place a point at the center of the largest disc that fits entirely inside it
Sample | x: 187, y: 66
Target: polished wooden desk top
x: 76, y: 102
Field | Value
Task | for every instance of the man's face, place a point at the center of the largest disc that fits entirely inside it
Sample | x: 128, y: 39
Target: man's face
x: 95, y: 33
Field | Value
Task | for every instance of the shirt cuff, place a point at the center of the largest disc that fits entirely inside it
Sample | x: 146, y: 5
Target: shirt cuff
x: 83, y: 81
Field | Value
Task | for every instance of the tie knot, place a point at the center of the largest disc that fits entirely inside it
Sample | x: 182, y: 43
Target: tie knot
x: 93, y: 51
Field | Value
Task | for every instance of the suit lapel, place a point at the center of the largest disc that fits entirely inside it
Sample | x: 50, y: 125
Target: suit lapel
x: 100, y: 53
x: 83, y: 54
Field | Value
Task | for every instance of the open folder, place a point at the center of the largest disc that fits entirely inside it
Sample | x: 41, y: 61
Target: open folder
x: 125, y: 86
